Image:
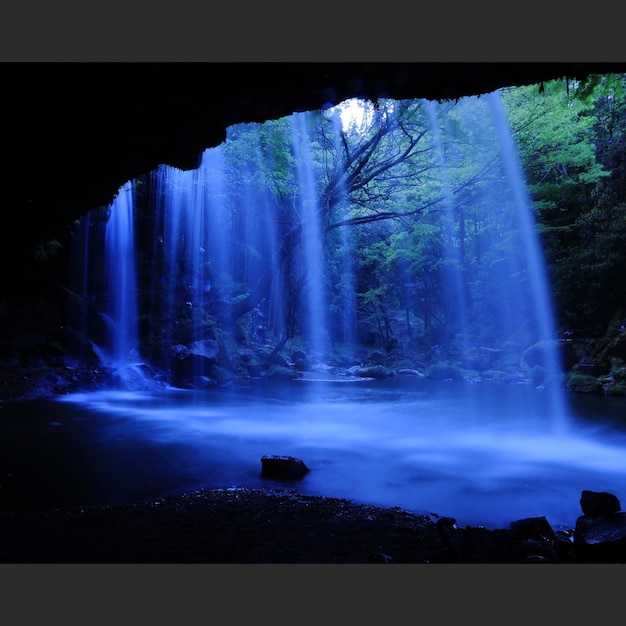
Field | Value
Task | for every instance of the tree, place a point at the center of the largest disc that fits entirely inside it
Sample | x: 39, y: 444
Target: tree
x: 569, y: 139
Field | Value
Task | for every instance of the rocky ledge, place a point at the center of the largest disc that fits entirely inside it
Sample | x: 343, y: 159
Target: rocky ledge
x: 268, y: 526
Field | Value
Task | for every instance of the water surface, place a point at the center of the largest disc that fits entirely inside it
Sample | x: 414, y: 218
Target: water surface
x: 485, y: 454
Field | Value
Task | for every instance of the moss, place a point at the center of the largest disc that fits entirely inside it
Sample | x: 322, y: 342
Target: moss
x: 583, y: 383
x: 615, y: 389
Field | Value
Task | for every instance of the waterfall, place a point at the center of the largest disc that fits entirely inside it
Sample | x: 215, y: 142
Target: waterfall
x: 104, y: 275
x: 312, y: 258
x: 539, y: 286
x: 452, y: 272
x: 191, y: 247
x: 119, y: 259
x: 224, y: 263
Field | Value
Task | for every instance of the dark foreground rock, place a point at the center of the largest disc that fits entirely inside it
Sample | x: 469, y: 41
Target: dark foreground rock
x: 222, y: 526
x: 601, y: 539
x: 282, y: 526
x: 266, y: 526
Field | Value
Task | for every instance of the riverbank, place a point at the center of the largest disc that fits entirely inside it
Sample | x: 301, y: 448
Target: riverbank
x: 257, y: 526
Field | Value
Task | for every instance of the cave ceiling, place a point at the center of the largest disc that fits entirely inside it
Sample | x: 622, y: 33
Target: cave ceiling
x: 73, y: 133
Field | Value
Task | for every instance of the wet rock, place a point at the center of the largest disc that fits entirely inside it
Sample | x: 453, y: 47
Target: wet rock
x: 534, y: 541
x: 207, y: 348
x: 407, y: 371
x: 479, y: 545
x: 480, y: 358
x: 600, y: 538
x: 300, y: 361
x: 533, y: 528
x: 279, y: 372
x: 531, y: 551
x: 273, y: 466
x: 374, y: 371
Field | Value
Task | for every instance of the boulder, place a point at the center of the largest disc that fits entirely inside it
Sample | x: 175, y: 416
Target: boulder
x: 534, y: 541
x: 273, y: 466
x: 535, y: 528
x: 599, y: 503
x: 600, y: 534
x: 300, y: 361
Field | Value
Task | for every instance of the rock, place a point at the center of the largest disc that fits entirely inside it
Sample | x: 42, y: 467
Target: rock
x: 480, y: 358
x: 599, y: 503
x: 273, y: 466
x: 584, y: 383
x: 207, y: 348
x: 600, y: 539
x: 542, y: 352
x: 300, y: 361
x: 407, y: 371
x: 374, y: 371
x: 279, y: 372
x: 533, y: 528
x: 534, y: 541
x: 531, y: 551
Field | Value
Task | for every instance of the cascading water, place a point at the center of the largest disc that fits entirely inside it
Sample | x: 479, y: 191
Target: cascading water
x: 312, y: 238
x: 452, y: 273
x: 538, y: 283
x: 107, y: 281
x: 119, y: 259
x: 343, y: 300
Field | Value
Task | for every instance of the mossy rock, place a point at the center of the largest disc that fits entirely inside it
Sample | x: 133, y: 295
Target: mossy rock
x: 540, y: 352
x: 498, y: 375
x: 615, y: 389
x: 443, y: 371
x: 374, y: 371
x: 583, y: 383
x: 277, y: 372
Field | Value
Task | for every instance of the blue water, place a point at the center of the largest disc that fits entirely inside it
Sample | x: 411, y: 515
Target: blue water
x: 485, y: 454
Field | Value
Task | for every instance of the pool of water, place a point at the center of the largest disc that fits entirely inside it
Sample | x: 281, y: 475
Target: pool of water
x: 485, y: 454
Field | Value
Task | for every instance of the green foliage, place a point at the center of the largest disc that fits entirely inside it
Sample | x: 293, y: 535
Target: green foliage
x: 616, y: 389
x: 554, y: 133
x: 583, y: 383
x: 572, y: 140
x: 600, y: 86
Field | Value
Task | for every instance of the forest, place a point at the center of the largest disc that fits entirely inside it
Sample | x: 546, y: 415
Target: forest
x: 391, y: 232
